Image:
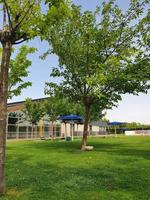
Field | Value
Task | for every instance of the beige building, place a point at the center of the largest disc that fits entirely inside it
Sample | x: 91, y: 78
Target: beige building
x: 18, y: 128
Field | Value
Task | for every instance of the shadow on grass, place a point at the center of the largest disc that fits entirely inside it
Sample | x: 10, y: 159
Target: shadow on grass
x: 42, y: 181
x: 123, y: 149
x: 46, y: 170
x: 115, y: 147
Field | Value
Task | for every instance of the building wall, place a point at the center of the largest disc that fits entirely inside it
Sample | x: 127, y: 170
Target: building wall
x: 138, y: 132
x: 44, y: 127
x: 77, y: 130
x: 15, y: 107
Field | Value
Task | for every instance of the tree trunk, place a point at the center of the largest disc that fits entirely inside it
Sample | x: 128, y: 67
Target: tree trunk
x: 3, y: 108
x: 86, y: 123
x: 32, y: 131
x: 36, y: 132
x: 52, y: 130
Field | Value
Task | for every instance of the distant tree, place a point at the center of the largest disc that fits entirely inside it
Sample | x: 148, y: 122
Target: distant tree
x: 132, y: 125
x: 101, y: 55
x: 33, y: 111
x: 56, y: 106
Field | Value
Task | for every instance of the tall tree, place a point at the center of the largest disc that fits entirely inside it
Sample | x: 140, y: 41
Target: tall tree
x: 21, y: 20
x: 15, y: 30
x: 101, y: 55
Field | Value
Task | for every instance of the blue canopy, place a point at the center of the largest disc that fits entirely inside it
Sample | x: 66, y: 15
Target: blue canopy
x: 115, y: 123
x: 74, y: 118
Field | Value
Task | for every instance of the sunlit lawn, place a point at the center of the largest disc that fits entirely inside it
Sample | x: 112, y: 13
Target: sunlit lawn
x: 117, y: 169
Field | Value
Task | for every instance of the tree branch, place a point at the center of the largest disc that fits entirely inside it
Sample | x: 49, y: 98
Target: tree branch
x: 117, y: 46
x: 8, y: 13
x: 4, y: 15
x: 19, y: 42
x: 1, y: 35
x: 18, y: 24
x: 130, y: 14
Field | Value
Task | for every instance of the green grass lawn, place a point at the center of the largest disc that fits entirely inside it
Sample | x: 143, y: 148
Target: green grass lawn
x: 117, y: 169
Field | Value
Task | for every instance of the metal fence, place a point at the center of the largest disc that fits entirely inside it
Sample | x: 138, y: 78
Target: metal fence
x: 17, y: 131
x: 18, y: 128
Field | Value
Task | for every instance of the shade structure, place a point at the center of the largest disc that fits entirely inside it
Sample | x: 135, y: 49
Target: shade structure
x: 71, y: 118
x: 115, y: 123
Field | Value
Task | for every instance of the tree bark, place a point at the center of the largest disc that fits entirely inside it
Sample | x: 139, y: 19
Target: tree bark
x: 52, y: 131
x: 6, y: 53
x: 32, y: 131
x: 86, y: 123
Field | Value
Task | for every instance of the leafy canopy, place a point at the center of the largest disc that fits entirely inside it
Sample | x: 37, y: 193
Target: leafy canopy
x: 102, y: 54
x: 56, y: 106
x: 18, y: 70
x: 22, y: 17
x: 33, y: 110
x: 24, y: 20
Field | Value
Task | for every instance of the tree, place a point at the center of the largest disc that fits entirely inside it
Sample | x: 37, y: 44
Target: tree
x: 22, y: 21
x: 15, y: 30
x: 101, y: 55
x: 132, y: 125
x: 33, y: 111
x: 18, y: 70
x: 56, y: 106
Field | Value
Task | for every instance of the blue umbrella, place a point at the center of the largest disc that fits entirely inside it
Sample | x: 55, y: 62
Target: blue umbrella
x: 71, y: 118
x: 115, y: 123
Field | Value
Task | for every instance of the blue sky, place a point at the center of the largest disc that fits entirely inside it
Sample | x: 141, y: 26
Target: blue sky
x: 131, y: 108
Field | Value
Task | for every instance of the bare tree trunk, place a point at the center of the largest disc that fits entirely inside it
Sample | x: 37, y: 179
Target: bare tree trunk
x: 3, y: 109
x: 86, y: 123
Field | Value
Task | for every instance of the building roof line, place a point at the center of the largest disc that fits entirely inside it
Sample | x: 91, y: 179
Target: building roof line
x: 20, y: 102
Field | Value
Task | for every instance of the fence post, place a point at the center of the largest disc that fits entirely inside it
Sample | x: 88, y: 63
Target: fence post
x: 27, y: 131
